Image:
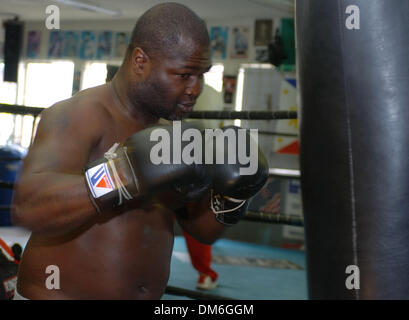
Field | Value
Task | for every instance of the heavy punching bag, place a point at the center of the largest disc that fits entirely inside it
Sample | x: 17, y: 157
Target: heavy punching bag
x: 353, y: 71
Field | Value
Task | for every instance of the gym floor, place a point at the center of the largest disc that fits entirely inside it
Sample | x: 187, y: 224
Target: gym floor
x: 246, y: 271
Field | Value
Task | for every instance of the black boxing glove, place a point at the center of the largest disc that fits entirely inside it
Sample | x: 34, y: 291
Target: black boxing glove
x: 148, y: 163
x: 232, y: 182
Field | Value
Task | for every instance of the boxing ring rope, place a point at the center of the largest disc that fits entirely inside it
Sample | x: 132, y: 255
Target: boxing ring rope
x: 273, y: 133
x: 20, y: 110
x: 273, y: 173
x: 177, y: 291
x: 272, y: 218
x: 284, y: 173
x: 243, y: 115
x: 221, y: 115
x: 6, y: 185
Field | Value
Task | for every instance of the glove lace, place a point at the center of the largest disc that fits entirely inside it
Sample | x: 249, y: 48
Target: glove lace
x: 218, y: 206
x: 110, y: 155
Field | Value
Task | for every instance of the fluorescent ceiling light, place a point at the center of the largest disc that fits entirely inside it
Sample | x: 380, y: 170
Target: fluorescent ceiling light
x: 90, y: 7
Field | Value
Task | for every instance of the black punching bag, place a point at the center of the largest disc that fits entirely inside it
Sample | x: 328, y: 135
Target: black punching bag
x: 353, y: 69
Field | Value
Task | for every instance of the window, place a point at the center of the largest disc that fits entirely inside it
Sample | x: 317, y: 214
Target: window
x: 214, y: 77
x: 39, y: 85
x: 211, y: 97
x: 95, y: 74
x: 8, y: 94
x: 48, y: 83
x: 8, y: 90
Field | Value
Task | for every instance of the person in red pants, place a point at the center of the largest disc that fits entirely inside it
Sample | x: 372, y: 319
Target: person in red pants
x: 201, y: 258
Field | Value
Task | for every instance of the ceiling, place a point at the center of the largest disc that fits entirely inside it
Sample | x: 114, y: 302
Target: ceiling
x: 130, y: 9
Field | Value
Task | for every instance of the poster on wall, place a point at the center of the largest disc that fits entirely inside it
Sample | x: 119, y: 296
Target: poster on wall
x: 218, y: 38
x: 71, y: 44
x: 239, y: 49
x: 229, y: 86
x: 87, y: 45
x: 292, y: 206
x: 263, y: 32
x: 104, y: 47
x: 121, y: 44
x: 33, y: 44
x: 55, y: 45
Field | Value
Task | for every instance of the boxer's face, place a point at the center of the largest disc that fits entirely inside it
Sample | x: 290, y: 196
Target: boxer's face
x: 173, y: 84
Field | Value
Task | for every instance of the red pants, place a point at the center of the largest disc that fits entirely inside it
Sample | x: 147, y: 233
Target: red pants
x: 201, y: 256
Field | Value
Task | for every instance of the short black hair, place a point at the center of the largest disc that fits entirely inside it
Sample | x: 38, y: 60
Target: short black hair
x: 160, y: 29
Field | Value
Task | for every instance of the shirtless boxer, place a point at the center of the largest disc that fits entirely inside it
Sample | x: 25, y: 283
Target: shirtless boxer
x: 104, y: 252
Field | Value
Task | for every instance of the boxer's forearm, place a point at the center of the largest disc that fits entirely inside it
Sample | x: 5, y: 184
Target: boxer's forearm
x: 205, y: 229
x: 53, y: 203
x: 200, y: 222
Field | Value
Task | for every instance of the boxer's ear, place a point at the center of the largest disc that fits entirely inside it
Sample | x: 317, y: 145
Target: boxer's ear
x: 140, y: 62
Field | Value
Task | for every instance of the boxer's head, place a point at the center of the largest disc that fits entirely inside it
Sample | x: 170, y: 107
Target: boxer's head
x: 167, y: 56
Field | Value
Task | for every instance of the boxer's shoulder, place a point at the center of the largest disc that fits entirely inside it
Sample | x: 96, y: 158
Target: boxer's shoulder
x: 85, y: 112
x: 90, y: 102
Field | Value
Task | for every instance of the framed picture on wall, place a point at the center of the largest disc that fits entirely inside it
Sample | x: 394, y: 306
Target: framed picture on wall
x: 218, y: 41
x: 240, y: 45
x: 33, y: 44
x: 121, y: 44
x: 55, y: 44
x: 87, y: 45
x: 263, y: 32
x: 71, y: 44
x: 104, y: 47
x: 229, y: 88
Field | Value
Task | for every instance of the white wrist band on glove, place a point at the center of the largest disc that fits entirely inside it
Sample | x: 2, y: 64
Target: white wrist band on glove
x: 110, y: 155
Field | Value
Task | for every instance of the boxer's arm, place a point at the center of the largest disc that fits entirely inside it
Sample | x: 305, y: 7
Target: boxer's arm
x: 198, y: 220
x: 50, y: 195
